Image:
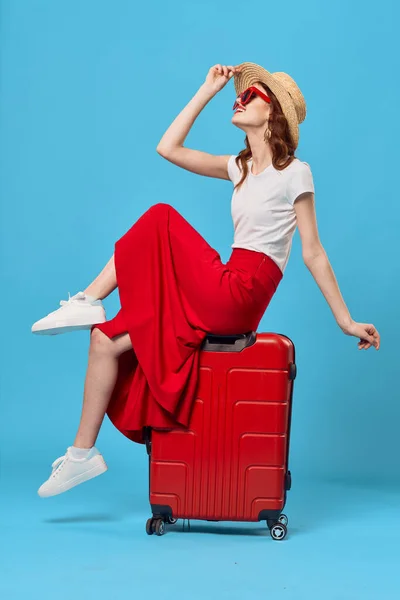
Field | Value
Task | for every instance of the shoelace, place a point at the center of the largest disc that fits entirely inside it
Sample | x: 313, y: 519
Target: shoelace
x: 57, y: 463
x: 72, y: 299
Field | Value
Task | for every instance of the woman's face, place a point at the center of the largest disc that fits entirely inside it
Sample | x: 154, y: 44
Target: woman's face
x: 254, y: 114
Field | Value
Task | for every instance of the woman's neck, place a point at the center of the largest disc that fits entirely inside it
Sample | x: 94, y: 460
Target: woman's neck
x: 261, y: 152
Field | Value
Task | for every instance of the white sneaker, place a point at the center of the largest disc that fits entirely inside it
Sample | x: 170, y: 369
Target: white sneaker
x: 68, y: 472
x: 75, y: 313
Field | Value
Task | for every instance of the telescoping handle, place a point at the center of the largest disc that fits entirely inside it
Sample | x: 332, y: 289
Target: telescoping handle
x: 228, y: 343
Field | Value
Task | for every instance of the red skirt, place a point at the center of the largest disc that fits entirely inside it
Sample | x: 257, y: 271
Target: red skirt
x: 173, y: 290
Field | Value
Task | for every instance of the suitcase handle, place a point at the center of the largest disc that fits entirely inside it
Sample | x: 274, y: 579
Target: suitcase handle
x: 228, y: 343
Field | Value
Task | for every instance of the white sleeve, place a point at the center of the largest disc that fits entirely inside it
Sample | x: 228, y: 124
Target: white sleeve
x: 299, y: 182
x: 233, y: 170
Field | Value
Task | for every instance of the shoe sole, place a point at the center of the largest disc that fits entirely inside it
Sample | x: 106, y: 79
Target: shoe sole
x: 65, y: 327
x: 98, y: 469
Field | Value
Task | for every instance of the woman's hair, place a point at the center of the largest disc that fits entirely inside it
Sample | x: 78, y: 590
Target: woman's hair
x: 280, y: 141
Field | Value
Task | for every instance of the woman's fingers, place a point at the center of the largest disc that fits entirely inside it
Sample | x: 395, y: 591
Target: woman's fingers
x: 366, y: 332
x: 219, y: 75
x: 364, y: 346
x: 371, y: 338
x: 224, y: 69
x: 232, y: 70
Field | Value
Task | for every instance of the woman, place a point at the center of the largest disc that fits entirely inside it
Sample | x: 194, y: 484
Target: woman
x: 173, y: 286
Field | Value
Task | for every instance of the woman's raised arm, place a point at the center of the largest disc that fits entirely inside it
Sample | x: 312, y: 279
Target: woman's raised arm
x: 171, y: 144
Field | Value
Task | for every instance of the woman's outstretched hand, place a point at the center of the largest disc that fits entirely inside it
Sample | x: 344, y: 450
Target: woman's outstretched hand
x: 367, y: 333
x: 219, y: 75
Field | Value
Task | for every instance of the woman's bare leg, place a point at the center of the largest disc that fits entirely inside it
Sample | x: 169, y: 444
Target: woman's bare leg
x: 104, y: 283
x: 100, y: 380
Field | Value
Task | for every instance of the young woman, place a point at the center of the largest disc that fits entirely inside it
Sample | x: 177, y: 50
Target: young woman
x: 173, y: 286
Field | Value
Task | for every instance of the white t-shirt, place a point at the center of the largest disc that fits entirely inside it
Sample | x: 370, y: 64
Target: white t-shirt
x: 262, y: 209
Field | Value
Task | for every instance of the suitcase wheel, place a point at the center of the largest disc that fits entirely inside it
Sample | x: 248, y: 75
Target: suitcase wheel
x: 149, y: 526
x: 278, y: 531
x: 171, y: 520
x: 159, y: 526
x: 283, y: 519
x: 155, y: 526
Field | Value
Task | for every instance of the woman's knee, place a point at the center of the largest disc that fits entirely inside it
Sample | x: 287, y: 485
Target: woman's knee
x: 100, y: 343
x: 160, y: 207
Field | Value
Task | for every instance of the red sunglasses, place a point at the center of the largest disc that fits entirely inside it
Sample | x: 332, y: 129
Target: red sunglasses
x: 245, y: 97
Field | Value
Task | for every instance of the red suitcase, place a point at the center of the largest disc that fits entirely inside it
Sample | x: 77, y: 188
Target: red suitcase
x: 231, y: 464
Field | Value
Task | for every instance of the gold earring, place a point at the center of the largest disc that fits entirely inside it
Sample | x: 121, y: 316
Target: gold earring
x: 267, y: 134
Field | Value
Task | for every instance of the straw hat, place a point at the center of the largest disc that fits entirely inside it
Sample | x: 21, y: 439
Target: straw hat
x: 283, y: 86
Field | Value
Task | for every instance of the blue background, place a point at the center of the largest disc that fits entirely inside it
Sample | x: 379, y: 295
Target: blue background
x: 87, y: 90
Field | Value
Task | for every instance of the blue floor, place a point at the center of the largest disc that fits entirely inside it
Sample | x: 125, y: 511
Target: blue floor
x: 343, y: 543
